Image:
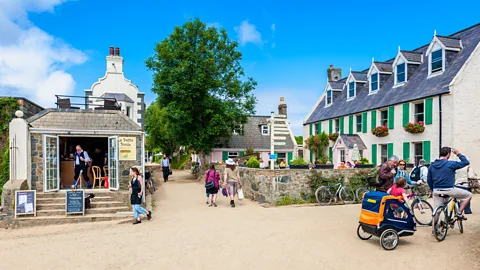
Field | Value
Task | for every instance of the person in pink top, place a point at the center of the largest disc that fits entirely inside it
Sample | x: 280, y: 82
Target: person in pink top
x: 398, y: 190
x: 212, y: 189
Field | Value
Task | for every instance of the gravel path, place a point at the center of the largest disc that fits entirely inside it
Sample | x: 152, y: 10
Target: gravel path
x: 186, y: 234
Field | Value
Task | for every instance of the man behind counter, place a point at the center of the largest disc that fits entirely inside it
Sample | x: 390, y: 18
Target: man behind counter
x: 81, y: 160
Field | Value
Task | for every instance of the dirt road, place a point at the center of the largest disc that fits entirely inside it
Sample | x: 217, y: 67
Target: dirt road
x: 186, y: 234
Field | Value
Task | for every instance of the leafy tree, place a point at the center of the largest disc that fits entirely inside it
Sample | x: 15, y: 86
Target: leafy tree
x: 159, y: 130
x: 299, y: 140
x: 201, y: 84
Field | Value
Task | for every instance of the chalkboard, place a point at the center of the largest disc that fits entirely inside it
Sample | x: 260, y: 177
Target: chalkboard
x: 75, y: 201
x: 25, y: 202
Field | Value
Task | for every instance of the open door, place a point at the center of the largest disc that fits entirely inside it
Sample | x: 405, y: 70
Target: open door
x: 113, y: 163
x: 51, y: 163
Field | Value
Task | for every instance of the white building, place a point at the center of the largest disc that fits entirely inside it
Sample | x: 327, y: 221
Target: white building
x: 437, y: 84
x: 115, y: 85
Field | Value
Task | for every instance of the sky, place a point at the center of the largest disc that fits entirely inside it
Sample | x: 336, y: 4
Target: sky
x: 50, y: 47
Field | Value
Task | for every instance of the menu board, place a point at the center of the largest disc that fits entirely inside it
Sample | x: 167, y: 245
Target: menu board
x: 75, y: 201
x: 25, y: 202
x: 128, y: 148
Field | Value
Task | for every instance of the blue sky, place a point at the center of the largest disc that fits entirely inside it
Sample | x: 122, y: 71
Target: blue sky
x: 55, y: 46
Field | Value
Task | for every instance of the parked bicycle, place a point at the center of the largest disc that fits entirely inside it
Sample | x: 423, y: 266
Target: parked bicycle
x: 362, y: 190
x: 196, y: 168
x: 445, y: 216
x: 325, y: 194
x: 421, y: 208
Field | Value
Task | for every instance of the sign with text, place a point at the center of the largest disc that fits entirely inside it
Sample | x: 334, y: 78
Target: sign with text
x: 273, y: 156
x: 128, y: 148
x: 75, y: 201
x: 25, y: 202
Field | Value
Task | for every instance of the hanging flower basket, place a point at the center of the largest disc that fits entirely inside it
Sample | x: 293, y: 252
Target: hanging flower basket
x: 415, y: 127
x: 333, y: 137
x: 380, y: 131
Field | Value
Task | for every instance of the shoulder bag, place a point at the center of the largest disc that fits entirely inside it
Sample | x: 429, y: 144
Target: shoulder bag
x: 209, y: 184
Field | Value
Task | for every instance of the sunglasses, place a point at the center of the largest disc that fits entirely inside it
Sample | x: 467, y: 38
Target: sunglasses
x: 401, y: 164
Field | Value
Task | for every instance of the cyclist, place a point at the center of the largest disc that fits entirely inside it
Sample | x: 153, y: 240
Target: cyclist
x: 441, y: 179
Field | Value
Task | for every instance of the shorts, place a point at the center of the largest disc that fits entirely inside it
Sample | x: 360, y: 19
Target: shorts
x: 458, y: 193
x: 232, y: 187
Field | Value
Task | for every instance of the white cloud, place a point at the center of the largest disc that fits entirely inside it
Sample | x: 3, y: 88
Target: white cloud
x: 247, y: 33
x: 273, y: 45
x: 273, y: 28
x: 214, y: 24
x: 33, y: 63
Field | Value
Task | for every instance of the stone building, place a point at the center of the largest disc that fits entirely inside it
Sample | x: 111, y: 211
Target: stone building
x: 436, y: 84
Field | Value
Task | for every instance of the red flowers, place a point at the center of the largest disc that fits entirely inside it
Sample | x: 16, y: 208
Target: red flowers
x: 415, y: 127
x: 333, y: 137
x: 380, y: 131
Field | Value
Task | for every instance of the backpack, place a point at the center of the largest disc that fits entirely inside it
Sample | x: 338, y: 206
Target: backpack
x: 416, y: 174
x: 373, y: 177
x: 209, y: 184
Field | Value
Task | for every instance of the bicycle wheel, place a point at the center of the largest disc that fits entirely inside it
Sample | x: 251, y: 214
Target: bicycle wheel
x: 441, y: 223
x: 323, y: 196
x: 362, y: 234
x: 347, y: 195
x: 389, y: 239
x: 360, y: 192
x: 422, y: 212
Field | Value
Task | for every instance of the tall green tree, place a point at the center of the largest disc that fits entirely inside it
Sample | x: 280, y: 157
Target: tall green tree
x: 201, y: 84
x: 159, y: 130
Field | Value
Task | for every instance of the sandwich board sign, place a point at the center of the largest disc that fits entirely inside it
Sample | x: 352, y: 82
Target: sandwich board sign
x: 75, y: 202
x: 25, y: 202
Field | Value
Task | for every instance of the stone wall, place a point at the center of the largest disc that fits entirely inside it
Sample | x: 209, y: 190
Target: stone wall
x: 125, y: 165
x: 268, y: 186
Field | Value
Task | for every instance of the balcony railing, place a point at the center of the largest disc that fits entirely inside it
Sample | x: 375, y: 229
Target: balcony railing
x: 87, y: 103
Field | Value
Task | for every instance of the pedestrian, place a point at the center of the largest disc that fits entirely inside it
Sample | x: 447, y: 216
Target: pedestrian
x: 461, y: 181
x: 386, y: 174
x: 212, y: 189
x: 401, y: 172
x: 136, y: 187
x: 350, y: 165
x: 231, y: 180
x: 81, y: 164
x: 420, y: 172
x: 166, y: 167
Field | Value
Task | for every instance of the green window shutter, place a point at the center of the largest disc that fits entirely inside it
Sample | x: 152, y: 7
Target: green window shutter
x: 406, y: 150
x: 428, y: 111
x: 426, y: 151
x: 406, y: 114
x: 350, y: 124
x: 319, y: 127
x: 290, y: 157
x: 311, y: 156
x: 342, y: 122
x: 364, y: 122
x: 373, y: 115
x: 311, y: 129
x: 391, y: 117
x: 242, y: 153
x: 225, y: 156
x: 330, y: 126
x: 330, y: 154
x: 374, y: 154
x: 390, y: 150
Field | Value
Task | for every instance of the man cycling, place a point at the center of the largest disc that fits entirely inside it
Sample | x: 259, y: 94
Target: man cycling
x: 441, y: 179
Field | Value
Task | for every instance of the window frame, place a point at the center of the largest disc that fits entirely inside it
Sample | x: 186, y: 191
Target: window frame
x: 416, y: 157
x: 386, y: 119
x: 330, y: 91
x: 397, y: 82
x: 337, y: 125
x: 262, y: 128
x: 383, y: 159
x: 233, y: 155
x: 359, y: 123
x: 284, y: 158
x: 342, y: 154
x: 431, y: 62
x: 415, y: 114
x: 376, y: 82
x: 349, y: 96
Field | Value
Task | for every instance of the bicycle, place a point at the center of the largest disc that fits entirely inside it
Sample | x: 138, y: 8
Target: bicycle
x: 324, y: 196
x: 442, y: 223
x: 196, y: 169
x: 424, y: 214
x: 362, y: 190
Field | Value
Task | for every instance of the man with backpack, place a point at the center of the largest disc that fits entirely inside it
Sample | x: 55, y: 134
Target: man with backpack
x: 419, y: 173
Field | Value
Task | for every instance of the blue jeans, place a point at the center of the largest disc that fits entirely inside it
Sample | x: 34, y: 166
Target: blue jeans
x: 137, y: 210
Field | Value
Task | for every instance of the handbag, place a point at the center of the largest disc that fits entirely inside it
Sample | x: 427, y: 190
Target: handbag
x: 240, y: 194
x: 170, y: 172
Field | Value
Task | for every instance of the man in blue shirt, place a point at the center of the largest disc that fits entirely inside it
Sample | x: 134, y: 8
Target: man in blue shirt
x: 165, y: 167
x: 441, y: 179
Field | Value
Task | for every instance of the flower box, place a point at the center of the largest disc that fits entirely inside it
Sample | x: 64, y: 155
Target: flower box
x: 323, y: 166
x: 381, y: 131
x: 414, y: 127
x: 333, y: 137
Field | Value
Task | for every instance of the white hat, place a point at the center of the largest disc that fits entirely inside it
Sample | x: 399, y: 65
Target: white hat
x: 230, y: 162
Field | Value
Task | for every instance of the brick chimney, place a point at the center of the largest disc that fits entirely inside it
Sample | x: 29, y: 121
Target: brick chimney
x: 111, y: 51
x: 334, y: 74
x: 117, y: 51
x: 282, y: 107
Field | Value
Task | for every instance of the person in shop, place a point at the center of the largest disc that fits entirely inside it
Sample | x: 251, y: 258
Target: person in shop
x: 81, y: 161
x: 99, y: 159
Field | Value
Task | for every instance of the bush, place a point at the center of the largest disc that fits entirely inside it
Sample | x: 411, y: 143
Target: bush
x: 316, y: 179
x: 253, y: 163
x: 299, y: 161
x: 364, y: 161
x: 358, y: 180
x: 4, y: 168
x: 287, y: 200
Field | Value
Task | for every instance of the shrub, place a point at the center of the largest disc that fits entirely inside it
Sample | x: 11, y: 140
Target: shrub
x: 364, y: 161
x: 414, y: 127
x: 299, y: 161
x: 316, y: 179
x: 253, y: 163
x: 333, y: 137
x: 380, y: 131
x: 4, y: 168
x: 358, y: 180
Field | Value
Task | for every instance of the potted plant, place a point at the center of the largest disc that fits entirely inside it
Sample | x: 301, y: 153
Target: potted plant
x: 333, y: 137
x: 364, y: 164
x: 380, y: 131
x: 414, y: 127
x: 298, y: 163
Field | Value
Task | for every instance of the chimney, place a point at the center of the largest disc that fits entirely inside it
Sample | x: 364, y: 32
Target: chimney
x: 334, y: 74
x: 111, y: 51
x: 117, y: 51
x: 282, y: 107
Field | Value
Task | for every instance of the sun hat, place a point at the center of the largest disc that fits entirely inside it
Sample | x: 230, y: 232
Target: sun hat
x: 230, y: 162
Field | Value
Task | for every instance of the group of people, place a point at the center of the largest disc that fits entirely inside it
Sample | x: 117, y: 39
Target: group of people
x: 231, y: 183
x: 443, y: 176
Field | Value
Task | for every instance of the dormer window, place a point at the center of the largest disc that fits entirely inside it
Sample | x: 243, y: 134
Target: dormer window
x: 265, y: 130
x: 437, y: 61
x: 400, y: 74
x: 351, y: 90
x: 329, y: 97
x: 374, y: 82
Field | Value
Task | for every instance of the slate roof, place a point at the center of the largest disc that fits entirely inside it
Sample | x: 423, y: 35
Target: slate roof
x: 412, y: 56
x: 360, y: 76
x: 350, y: 140
x: 83, y: 120
x: 384, y: 66
x: 450, y: 42
x: 252, y: 137
x: 118, y: 97
x: 417, y: 86
x: 336, y: 85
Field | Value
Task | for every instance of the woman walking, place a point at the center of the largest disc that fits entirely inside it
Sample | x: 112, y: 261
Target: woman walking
x: 231, y: 180
x: 212, y: 179
x: 136, y: 196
